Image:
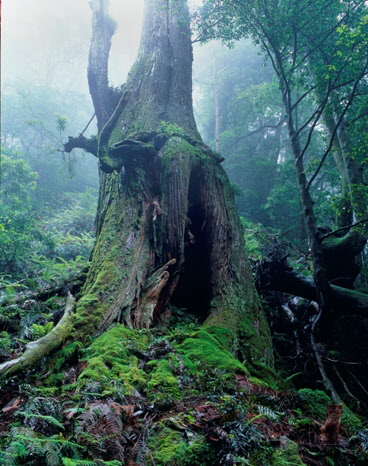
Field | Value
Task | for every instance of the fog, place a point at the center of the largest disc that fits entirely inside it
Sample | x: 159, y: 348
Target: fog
x: 46, y: 42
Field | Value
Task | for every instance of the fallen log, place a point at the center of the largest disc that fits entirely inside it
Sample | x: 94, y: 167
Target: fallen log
x: 36, y: 350
x: 279, y: 276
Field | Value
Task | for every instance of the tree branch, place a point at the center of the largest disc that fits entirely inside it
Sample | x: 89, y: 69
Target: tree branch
x: 332, y: 233
x: 351, y: 97
x: 81, y: 142
x: 90, y: 121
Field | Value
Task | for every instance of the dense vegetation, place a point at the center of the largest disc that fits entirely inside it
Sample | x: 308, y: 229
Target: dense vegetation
x: 290, y: 92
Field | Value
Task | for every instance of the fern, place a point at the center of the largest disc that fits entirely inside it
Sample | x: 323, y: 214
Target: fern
x: 54, y: 439
x: 52, y: 451
x: 50, y: 419
x: 16, y: 450
x: 267, y: 412
x: 101, y: 431
x: 70, y: 462
x: 73, y: 462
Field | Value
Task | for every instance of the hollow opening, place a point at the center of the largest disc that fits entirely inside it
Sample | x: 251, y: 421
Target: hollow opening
x: 193, y: 292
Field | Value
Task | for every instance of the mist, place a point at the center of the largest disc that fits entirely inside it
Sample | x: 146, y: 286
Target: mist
x: 46, y: 42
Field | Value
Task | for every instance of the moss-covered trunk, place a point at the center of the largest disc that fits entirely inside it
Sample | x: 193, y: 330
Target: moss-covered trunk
x: 168, y: 231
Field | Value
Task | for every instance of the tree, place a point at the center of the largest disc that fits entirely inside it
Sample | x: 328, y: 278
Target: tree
x: 299, y: 35
x: 167, y: 229
x: 249, y: 137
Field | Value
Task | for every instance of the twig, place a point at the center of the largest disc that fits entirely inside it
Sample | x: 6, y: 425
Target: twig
x: 344, y: 384
x: 90, y: 121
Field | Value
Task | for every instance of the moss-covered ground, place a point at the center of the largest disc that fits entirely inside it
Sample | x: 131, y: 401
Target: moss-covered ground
x: 170, y: 396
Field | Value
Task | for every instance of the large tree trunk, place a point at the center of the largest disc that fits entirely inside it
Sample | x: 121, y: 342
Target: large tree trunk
x: 168, y: 233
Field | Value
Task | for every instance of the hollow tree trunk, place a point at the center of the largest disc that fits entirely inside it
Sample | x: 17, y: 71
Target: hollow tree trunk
x: 167, y: 229
x: 168, y: 233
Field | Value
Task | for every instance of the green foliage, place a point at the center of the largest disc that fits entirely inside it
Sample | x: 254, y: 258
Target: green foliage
x: 39, y: 331
x: 17, y: 232
x: 5, y: 344
x: 61, y: 122
x: 51, y: 248
x: 169, y: 447
x: 49, y: 419
x: 74, y: 462
x: 257, y: 238
x: 27, y: 444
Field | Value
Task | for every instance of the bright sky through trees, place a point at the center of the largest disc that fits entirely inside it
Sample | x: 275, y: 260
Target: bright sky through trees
x: 47, y: 41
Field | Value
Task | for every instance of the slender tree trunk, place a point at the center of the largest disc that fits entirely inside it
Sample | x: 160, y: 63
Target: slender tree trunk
x: 217, y: 107
x: 345, y: 216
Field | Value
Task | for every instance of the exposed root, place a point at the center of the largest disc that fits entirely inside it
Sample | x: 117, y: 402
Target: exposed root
x: 36, y: 350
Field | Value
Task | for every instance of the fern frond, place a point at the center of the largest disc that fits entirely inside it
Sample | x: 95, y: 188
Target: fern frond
x: 53, y: 439
x: 50, y: 419
x: 15, y: 451
x: 71, y: 462
x: 267, y: 412
x: 101, y: 431
x: 52, y: 451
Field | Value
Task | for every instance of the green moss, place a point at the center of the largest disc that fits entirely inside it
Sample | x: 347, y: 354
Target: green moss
x: 287, y: 455
x: 168, y: 447
x: 54, y: 380
x: 207, y: 350
x: 163, y: 380
x: 66, y: 354
x: 266, y: 374
x: 109, y: 358
x: 350, y: 420
x: 240, y: 312
x: 314, y: 402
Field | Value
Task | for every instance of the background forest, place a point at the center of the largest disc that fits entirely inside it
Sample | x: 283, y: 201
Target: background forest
x: 261, y: 82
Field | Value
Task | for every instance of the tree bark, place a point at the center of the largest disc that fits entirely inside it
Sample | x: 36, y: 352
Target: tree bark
x: 103, y: 28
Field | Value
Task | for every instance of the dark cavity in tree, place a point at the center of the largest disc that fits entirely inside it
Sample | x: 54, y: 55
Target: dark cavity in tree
x: 194, y: 288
